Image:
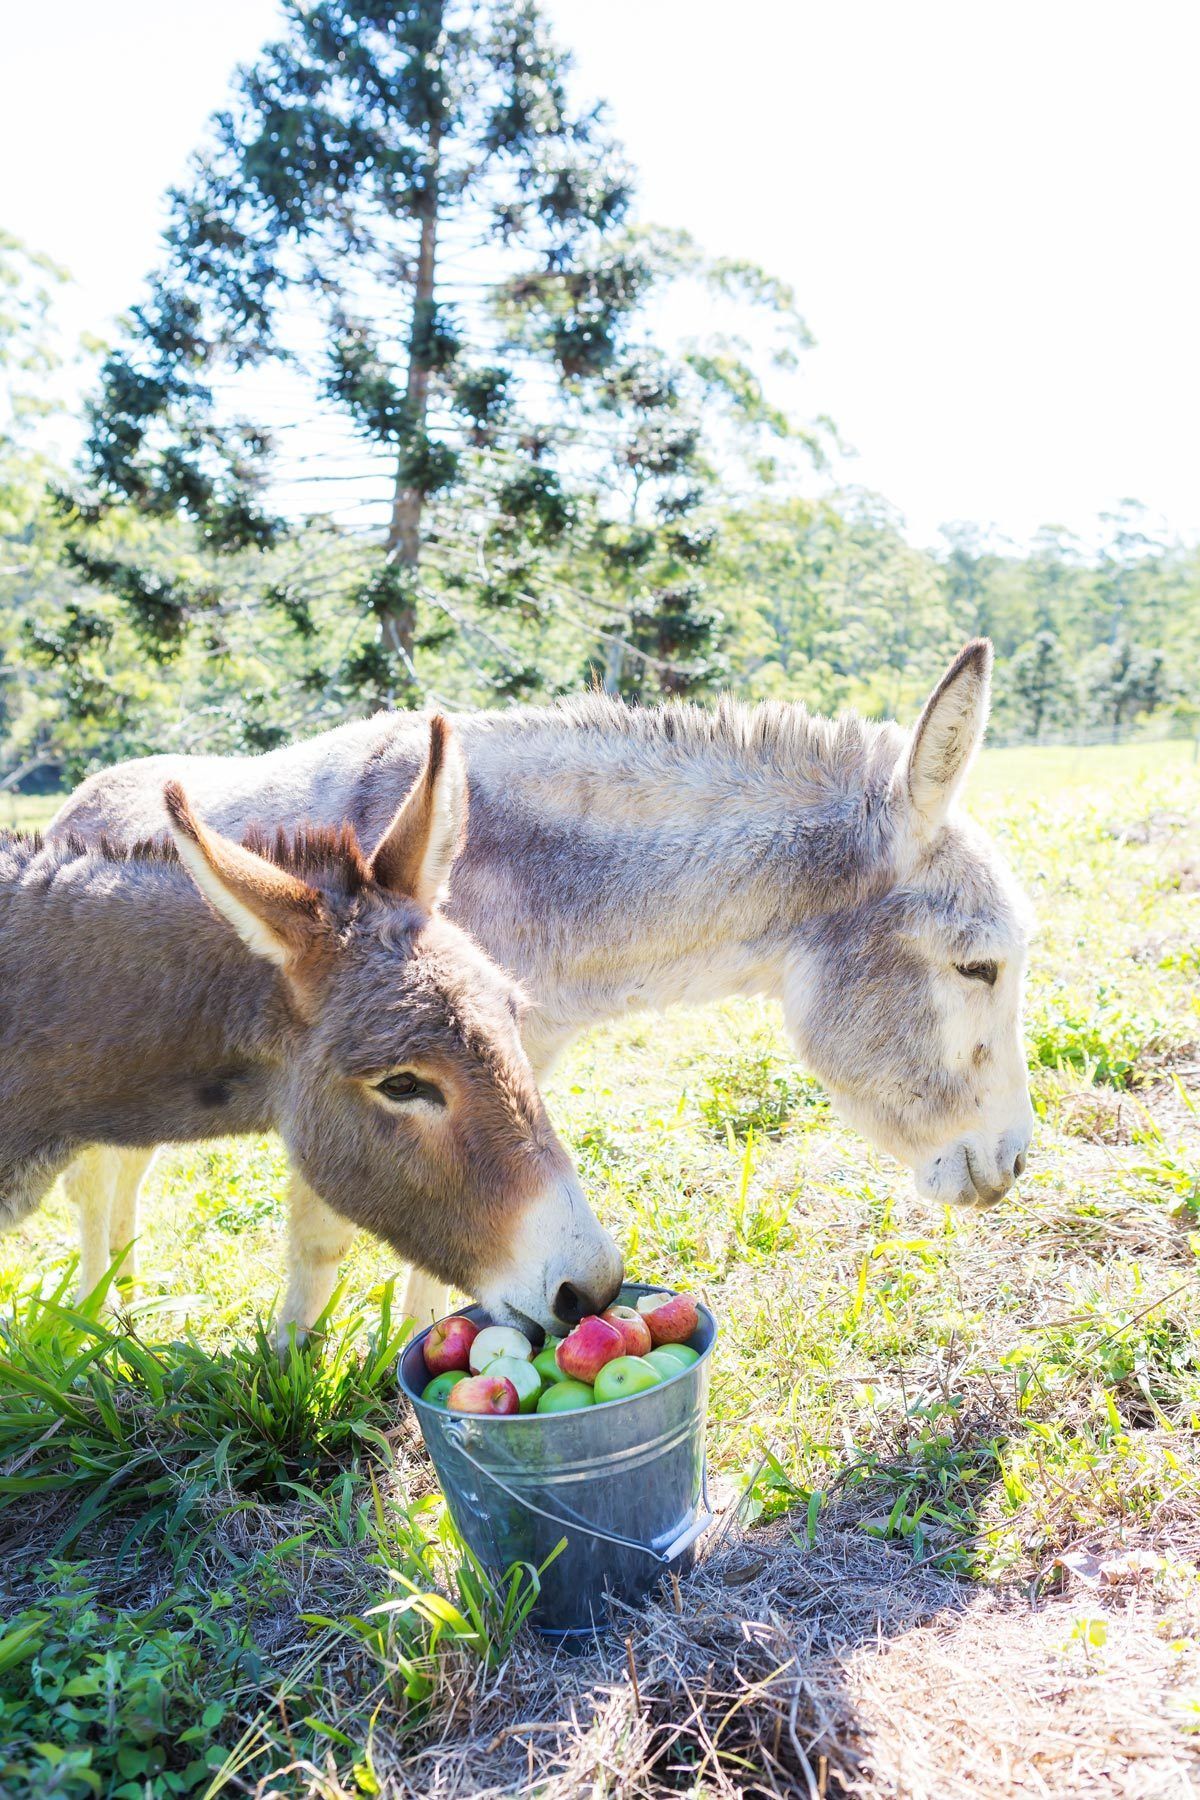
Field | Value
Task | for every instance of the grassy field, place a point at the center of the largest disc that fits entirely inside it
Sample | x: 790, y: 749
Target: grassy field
x: 956, y: 1454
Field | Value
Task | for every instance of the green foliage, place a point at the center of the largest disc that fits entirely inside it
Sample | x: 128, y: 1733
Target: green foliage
x: 829, y: 603
x: 485, y: 1621
x: 350, y: 144
x: 541, y: 535
x: 483, y: 395
x: 169, y: 1447
x: 100, y: 1703
x: 1125, y: 682
x: 517, y: 408
x: 1039, y: 688
x: 1185, y: 960
x: 157, y: 607
x: 28, y: 283
x: 531, y: 502
x: 1103, y: 1041
x: 99, y: 1412
x: 757, y: 1093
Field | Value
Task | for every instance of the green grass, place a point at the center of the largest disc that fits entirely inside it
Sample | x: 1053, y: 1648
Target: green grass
x: 1024, y: 768
x: 28, y: 812
x: 218, y: 1567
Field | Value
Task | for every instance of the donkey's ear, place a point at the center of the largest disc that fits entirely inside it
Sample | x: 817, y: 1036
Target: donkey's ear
x: 946, y: 737
x: 416, y: 852
x: 274, y: 912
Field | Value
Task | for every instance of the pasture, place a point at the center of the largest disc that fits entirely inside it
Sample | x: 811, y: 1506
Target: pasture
x: 955, y: 1454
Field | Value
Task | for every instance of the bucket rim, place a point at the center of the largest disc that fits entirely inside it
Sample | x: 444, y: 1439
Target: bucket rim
x: 493, y: 1419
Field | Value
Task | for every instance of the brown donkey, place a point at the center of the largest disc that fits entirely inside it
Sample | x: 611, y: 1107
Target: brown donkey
x: 341, y: 1010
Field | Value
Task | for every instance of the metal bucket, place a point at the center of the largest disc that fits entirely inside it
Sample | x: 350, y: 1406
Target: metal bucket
x: 623, y: 1483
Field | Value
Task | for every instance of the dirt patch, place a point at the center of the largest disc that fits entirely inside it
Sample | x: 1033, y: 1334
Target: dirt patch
x: 1083, y: 1696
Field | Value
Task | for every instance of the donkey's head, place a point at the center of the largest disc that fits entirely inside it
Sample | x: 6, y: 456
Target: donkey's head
x: 403, y: 1092
x: 907, y: 1002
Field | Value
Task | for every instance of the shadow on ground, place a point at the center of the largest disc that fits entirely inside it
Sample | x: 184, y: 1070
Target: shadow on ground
x: 831, y: 1660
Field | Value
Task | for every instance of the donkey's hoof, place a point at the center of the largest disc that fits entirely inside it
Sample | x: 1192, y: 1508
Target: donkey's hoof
x: 290, y: 1338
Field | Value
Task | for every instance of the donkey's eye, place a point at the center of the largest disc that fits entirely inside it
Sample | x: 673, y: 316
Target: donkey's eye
x: 407, y: 1086
x: 980, y: 971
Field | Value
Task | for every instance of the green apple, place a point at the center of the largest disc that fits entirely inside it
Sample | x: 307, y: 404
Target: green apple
x: 665, y: 1360
x: 566, y: 1396
x: 546, y: 1362
x: 436, y: 1390
x: 523, y: 1376
x: 683, y: 1353
x: 625, y: 1376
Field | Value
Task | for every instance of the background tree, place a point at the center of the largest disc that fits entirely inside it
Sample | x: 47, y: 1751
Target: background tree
x: 317, y: 235
x: 607, y: 508
x: 649, y: 440
x: 57, y: 700
x: 1059, y: 584
x: 772, y: 575
x: 1038, y: 688
x: 889, y: 603
x: 404, y: 245
x: 86, y: 674
x: 1124, y: 683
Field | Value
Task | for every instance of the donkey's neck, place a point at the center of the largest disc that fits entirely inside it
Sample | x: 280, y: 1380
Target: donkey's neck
x: 620, y: 859
x: 128, y: 1013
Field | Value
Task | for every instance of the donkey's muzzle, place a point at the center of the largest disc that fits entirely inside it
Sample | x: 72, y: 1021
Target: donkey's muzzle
x: 1009, y: 1167
x: 572, y: 1303
x: 562, y: 1264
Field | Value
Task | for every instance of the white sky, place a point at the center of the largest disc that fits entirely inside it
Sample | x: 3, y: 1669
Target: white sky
x: 988, y: 210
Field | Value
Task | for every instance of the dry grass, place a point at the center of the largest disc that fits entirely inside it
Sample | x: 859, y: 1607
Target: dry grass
x: 841, y: 1669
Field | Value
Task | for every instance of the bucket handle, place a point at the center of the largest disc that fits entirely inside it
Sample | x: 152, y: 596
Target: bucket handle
x: 454, y: 1432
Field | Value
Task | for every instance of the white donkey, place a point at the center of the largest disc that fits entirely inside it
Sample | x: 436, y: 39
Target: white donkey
x: 624, y: 858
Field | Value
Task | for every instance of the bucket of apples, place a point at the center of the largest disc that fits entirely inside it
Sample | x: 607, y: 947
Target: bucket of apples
x: 583, y: 1460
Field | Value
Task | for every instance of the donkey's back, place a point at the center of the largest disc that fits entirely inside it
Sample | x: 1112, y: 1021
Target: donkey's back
x: 315, y: 778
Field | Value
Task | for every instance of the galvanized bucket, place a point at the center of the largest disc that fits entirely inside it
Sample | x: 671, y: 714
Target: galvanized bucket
x: 623, y: 1483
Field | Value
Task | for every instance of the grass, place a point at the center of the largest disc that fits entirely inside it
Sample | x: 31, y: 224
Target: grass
x: 226, y: 1576
x: 28, y: 812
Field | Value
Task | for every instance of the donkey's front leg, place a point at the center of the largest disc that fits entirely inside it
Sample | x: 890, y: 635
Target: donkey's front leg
x: 130, y: 1168
x: 426, y: 1298
x: 89, y: 1182
x: 318, y: 1239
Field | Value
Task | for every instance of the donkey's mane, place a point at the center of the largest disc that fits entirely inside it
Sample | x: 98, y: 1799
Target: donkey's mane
x: 328, y: 853
x: 840, y: 751
x: 322, y: 852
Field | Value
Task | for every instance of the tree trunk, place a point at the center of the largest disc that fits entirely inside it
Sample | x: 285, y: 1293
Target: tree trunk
x: 614, y: 650
x: 403, y: 545
x: 614, y: 665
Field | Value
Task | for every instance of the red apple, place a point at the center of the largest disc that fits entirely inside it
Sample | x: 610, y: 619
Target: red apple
x: 493, y: 1394
x: 448, y: 1345
x: 672, y: 1318
x: 593, y: 1342
x: 633, y: 1329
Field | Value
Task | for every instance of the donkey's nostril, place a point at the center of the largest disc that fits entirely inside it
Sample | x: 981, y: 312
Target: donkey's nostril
x: 569, y: 1304
x: 1019, y: 1165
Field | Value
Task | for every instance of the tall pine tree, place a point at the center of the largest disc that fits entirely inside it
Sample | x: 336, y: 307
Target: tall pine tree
x: 369, y: 156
